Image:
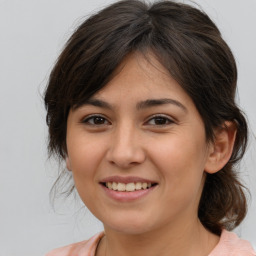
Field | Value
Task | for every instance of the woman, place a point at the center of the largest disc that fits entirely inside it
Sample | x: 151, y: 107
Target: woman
x: 140, y: 104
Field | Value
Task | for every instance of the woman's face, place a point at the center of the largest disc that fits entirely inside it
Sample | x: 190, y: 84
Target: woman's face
x: 137, y: 150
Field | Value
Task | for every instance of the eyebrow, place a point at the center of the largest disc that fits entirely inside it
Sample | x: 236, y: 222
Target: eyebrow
x: 149, y: 103
x: 158, y: 102
x: 97, y: 103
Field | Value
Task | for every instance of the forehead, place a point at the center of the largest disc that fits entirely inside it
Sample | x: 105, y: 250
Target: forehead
x: 143, y: 77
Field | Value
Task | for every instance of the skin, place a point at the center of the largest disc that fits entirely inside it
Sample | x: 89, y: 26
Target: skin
x: 164, y: 143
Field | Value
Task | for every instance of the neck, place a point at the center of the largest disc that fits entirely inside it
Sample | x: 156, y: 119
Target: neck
x: 186, y: 239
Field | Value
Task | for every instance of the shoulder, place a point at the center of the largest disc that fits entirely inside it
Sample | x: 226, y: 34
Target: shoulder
x: 84, y: 248
x: 231, y: 245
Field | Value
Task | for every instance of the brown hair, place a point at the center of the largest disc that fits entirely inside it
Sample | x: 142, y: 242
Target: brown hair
x: 190, y: 47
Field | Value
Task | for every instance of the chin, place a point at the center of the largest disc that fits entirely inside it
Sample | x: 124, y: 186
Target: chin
x: 129, y: 229
x: 128, y: 225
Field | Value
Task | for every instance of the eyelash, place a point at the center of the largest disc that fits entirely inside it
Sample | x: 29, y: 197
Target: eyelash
x: 94, y: 117
x: 162, y: 118
x: 155, y: 118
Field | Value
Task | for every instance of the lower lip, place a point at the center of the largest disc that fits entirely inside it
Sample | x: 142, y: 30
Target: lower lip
x: 127, y: 196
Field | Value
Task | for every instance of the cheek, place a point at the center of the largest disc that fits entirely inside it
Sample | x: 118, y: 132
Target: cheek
x: 180, y: 161
x: 84, y: 160
x: 82, y: 150
x: 179, y: 150
x: 84, y: 156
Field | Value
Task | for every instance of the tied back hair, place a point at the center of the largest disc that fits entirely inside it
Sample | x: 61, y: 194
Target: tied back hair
x: 189, y: 45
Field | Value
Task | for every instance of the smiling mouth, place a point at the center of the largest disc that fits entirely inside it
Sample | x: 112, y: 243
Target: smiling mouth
x: 128, y: 187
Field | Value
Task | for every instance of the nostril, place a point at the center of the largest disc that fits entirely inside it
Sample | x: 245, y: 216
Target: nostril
x: 125, y: 154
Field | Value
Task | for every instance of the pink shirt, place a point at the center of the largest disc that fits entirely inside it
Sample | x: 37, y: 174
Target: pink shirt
x: 229, y: 245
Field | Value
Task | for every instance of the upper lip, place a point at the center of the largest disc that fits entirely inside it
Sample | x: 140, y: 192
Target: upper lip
x: 126, y: 180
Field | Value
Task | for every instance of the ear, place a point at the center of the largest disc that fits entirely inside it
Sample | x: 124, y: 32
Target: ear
x: 221, y: 149
x: 68, y: 165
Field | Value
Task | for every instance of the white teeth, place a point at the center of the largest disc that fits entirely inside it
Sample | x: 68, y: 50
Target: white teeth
x: 114, y: 186
x: 109, y: 185
x: 144, y: 185
x: 121, y: 187
x: 129, y: 187
x: 138, y: 185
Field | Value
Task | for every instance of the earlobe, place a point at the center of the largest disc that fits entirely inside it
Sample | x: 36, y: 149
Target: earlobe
x: 68, y: 163
x: 221, y: 149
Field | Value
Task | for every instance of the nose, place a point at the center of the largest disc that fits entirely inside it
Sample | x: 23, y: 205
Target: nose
x: 126, y: 148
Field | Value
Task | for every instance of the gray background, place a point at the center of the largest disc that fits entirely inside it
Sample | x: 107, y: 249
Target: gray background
x: 32, y: 36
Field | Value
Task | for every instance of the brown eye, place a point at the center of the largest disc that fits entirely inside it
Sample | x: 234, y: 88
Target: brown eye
x: 160, y: 120
x: 99, y: 120
x: 96, y: 120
